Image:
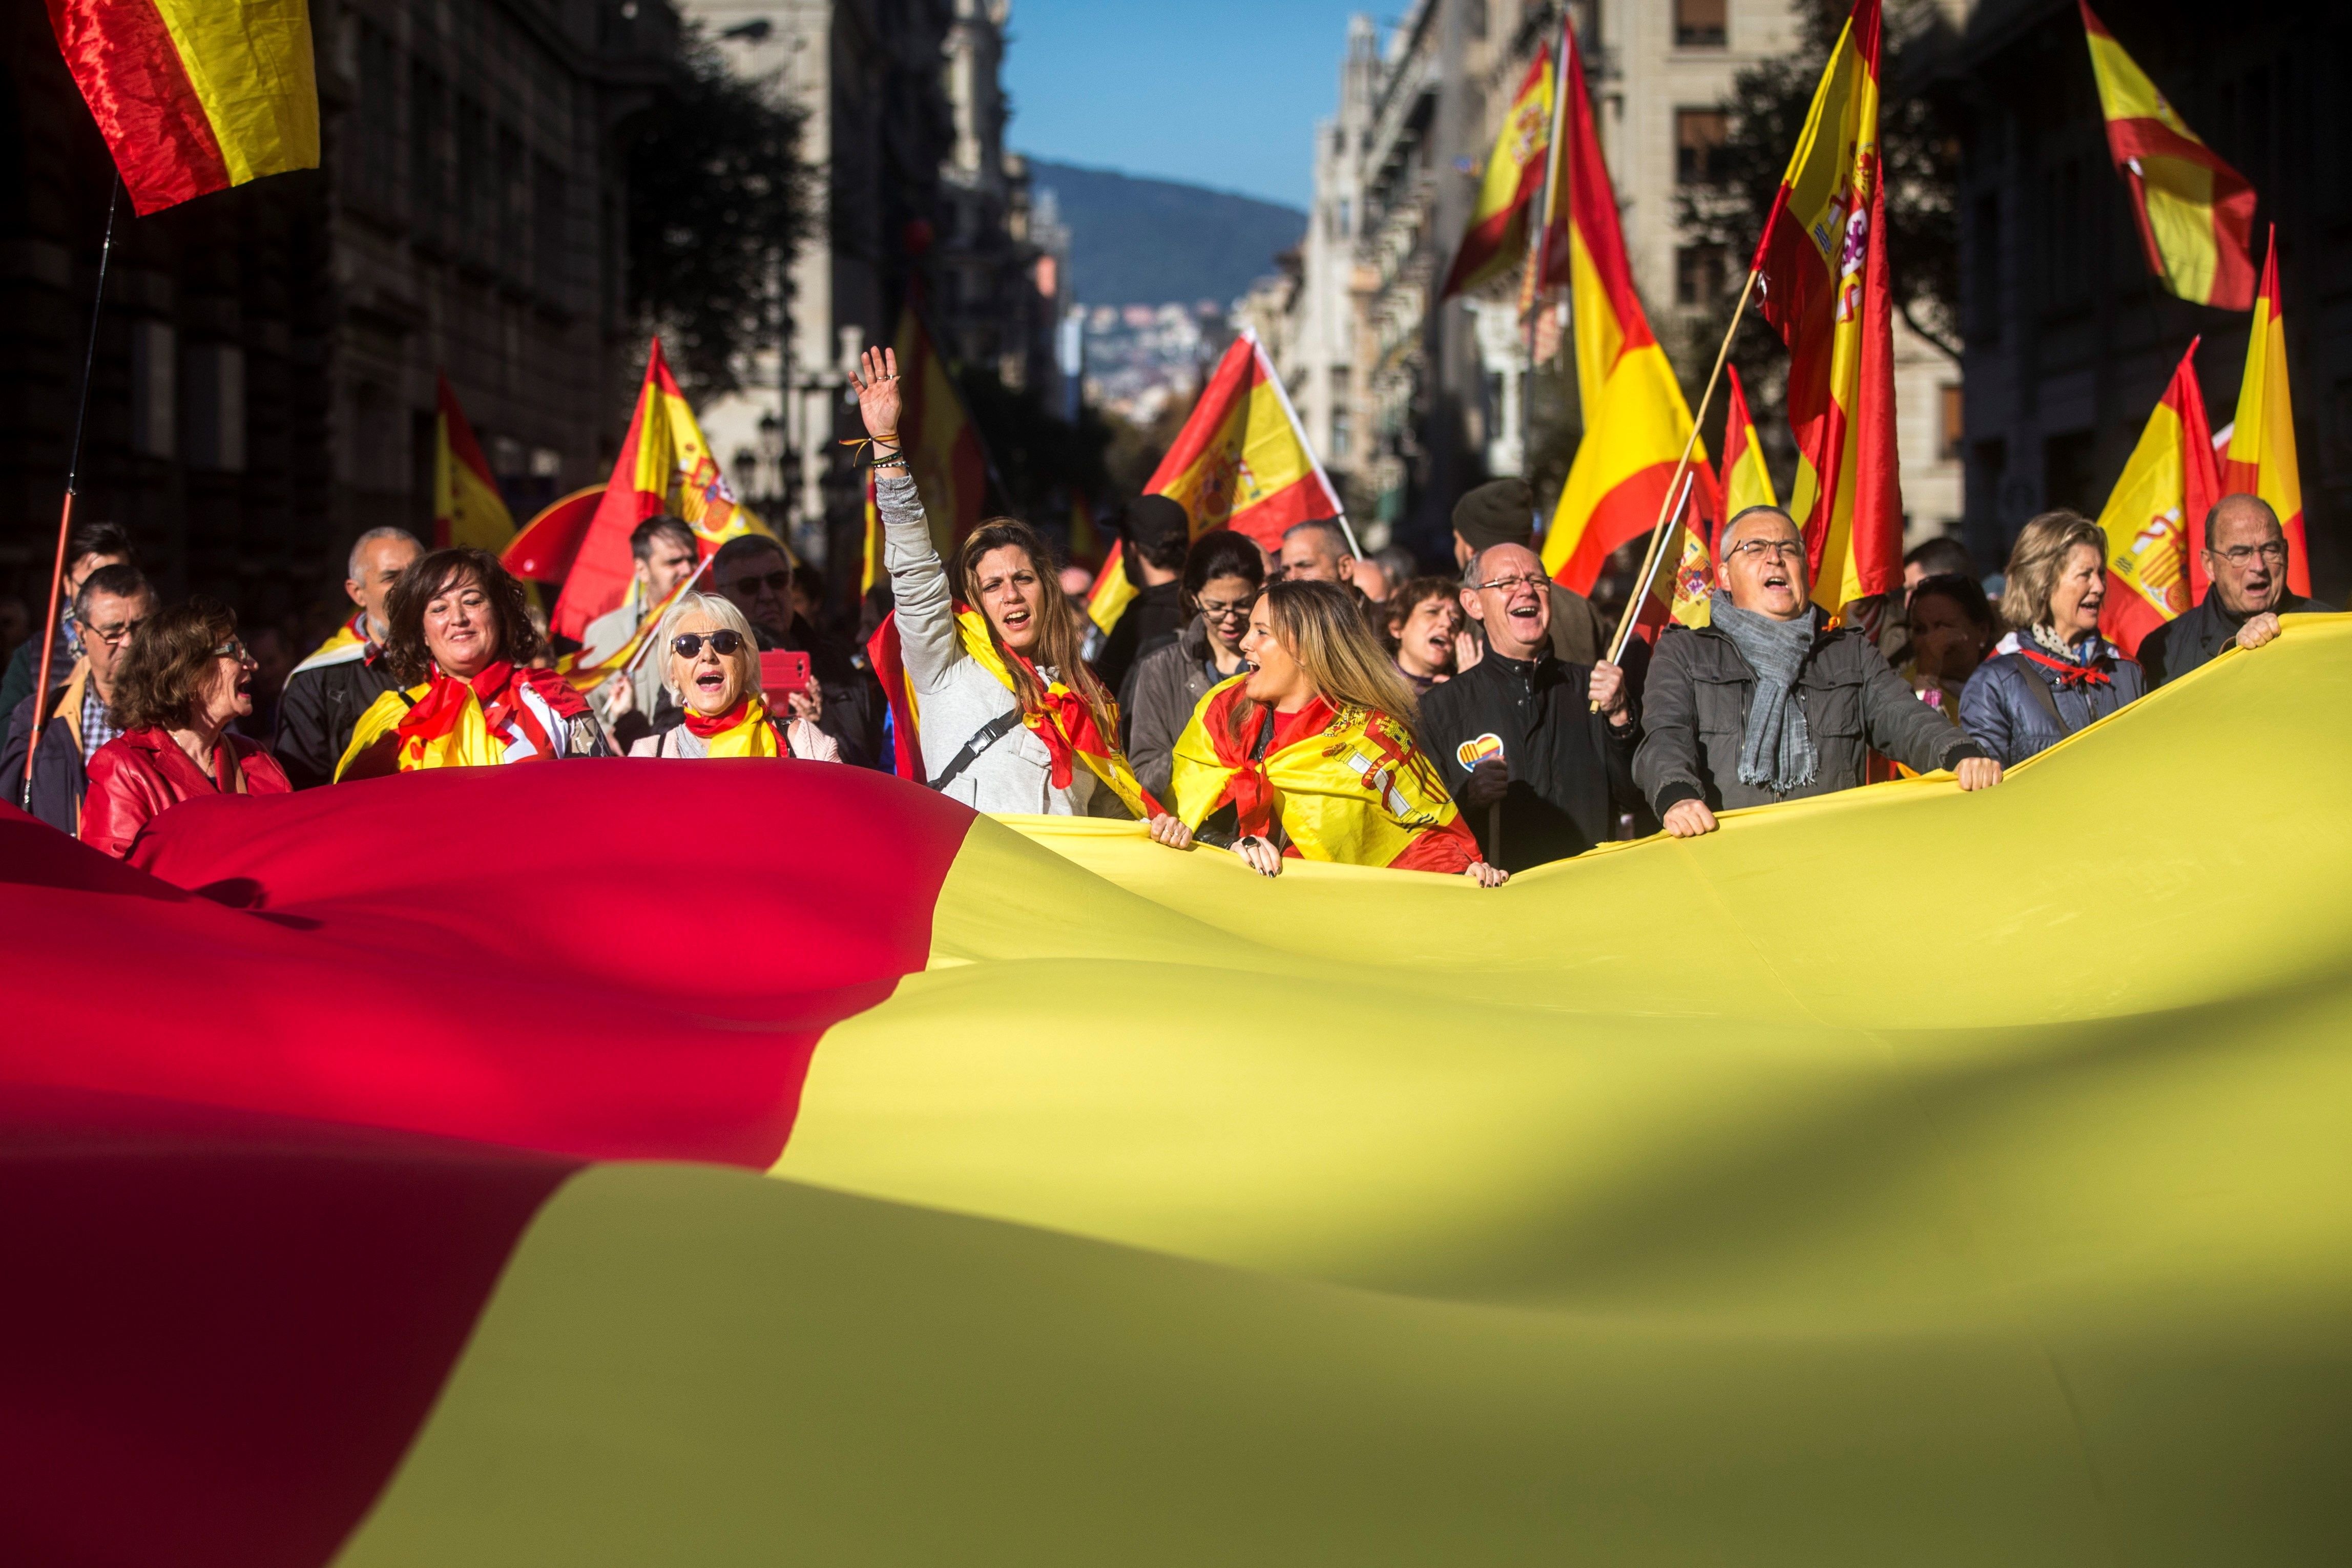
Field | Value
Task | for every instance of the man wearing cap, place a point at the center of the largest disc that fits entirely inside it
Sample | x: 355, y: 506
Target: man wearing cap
x: 1503, y: 512
x: 1154, y: 534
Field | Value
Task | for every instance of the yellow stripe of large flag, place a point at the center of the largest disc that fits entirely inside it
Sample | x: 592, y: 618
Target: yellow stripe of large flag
x: 1635, y: 419
x: 467, y: 508
x: 1824, y: 285
x: 2195, y: 213
x: 2170, y: 479
x: 1498, y: 228
x: 1242, y: 461
x: 2262, y: 459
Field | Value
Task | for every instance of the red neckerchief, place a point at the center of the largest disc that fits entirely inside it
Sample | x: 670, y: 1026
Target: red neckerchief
x: 718, y: 723
x: 437, y: 712
x: 1251, y: 792
x: 1064, y: 721
x: 2071, y: 676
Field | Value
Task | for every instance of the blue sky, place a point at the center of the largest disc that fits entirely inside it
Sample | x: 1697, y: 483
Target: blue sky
x: 1224, y: 93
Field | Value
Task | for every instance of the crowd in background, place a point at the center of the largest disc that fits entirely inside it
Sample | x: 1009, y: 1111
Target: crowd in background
x: 1295, y: 702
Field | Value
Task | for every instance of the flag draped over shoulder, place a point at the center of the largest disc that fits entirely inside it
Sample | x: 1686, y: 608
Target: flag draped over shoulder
x: 1242, y: 462
x: 1498, y: 229
x: 466, y: 507
x: 665, y: 465
x: 1635, y: 420
x: 2262, y: 459
x: 2195, y: 214
x: 1825, y: 286
x: 194, y: 96
x: 2170, y: 479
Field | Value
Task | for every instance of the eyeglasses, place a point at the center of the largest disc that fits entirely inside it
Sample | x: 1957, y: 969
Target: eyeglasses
x: 1513, y: 584
x: 1770, y: 549
x: 1237, y: 610
x: 723, y: 643
x: 778, y: 581
x: 233, y: 648
x: 115, y: 636
x: 2274, y: 551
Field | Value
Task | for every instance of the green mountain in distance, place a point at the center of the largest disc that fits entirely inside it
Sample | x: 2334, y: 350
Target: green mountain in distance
x: 1150, y: 242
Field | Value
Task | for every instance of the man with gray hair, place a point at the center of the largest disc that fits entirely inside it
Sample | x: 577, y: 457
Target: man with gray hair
x: 107, y: 608
x: 1768, y: 702
x: 2246, y: 558
x: 1318, y: 552
x: 328, y: 691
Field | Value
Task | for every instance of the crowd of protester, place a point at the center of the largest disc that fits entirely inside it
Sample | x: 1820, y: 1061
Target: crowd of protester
x: 1300, y: 702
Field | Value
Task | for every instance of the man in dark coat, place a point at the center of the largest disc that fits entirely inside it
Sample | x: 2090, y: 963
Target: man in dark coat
x: 1155, y: 533
x: 328, y: 691
x: 1539, y: 774
x: 2246, y: 557
x: 1768, y: 703
x: 89, y: 546
x: 1503, y: 512
x: 107, y: 608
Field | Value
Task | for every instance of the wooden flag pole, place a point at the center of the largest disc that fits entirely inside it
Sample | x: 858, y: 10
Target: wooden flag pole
x: 49, y: 629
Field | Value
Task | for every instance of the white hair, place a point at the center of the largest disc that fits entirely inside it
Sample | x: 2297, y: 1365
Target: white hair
x: 721, y: 613
x: 351, y: 569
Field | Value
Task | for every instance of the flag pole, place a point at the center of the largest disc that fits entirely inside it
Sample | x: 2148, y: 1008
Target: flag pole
x: 65, y: 516
x: 1666, y: 507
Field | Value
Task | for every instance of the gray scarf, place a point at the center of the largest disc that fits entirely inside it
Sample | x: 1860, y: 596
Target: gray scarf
x: 1777, y: 751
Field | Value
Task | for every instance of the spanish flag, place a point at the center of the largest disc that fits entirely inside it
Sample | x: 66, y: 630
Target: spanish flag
x: 665, y: 465
x: 1824, y: 285
x: 1745, y: 483
x: 2195, y: 214
x: 1635, y: 420
x: 1515, y: 174
x: 2261, y: 460
x: 194, y: 96
x: 1242, y: 462
x: 2168, y: 486
x: 466, y: 507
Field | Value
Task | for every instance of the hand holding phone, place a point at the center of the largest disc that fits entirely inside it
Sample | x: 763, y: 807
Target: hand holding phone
x: 782, y: 673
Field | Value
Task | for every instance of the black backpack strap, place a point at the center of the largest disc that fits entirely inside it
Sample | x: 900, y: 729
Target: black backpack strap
x: 988, y: 735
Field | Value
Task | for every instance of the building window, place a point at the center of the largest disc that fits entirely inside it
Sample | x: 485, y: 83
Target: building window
x: 428, y: 146
x: 1702, y: 274
x: 478, y: 191
x: 1949, y: 423
x: 1699, y: 24
x: 1984, y: 272
x: 379, y: 112
x: 2065, y: 239
x: 1341, y: 428
x: 546, y: 226
x: 1699, y: 135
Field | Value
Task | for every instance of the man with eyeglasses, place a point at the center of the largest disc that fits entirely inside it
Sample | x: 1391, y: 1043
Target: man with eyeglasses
x: 664, y: 553
x: 2245, y: 556
x: 1768, y: 702
x: 109, y: 606
x: 1537, y: 751
x: 752, y: 574
x: 1503, y: 512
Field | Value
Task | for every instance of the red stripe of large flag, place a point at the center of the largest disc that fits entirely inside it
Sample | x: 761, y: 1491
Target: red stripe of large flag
x: 2262, y: 460
x: 2195, y: 214
x: 1242, y: 462
x: 467, y: 508
x: 1635, y: 420
x: 1825, y: 286
x: 1497, y: 232
x: 2170, y: 481
x: 194, y: 96
x: 665, y: 465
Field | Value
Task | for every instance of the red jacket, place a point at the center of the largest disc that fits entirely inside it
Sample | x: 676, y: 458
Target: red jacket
x: 142, y: 772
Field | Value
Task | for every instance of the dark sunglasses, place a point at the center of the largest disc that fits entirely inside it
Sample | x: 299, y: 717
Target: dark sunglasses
x: 689, y: 645
x: 780, y: 582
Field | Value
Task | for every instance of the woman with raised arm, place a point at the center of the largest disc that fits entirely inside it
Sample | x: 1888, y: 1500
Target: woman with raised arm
x: 1009, y: 719
x: 1310, y: 753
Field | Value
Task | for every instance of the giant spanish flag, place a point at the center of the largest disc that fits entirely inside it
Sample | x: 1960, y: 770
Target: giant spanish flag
x: 2170, y: 479
x: 927, y: 1188
x: 665, y: 465
x: 1635, y: 420
x: 1499, y: 227
x: 1824, y: 285
x: 2261, y: 460
x: 1242, y: 462
x: 466, y: 507
x: 194, y: 96
x: 944, y: 454
x: 2195, y: 214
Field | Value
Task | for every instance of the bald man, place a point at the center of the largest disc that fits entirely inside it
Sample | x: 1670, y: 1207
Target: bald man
x: 2246, y: 556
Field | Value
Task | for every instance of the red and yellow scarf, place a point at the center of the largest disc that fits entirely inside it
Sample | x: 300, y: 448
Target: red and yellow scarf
x: 1064, y: 722
x: 742, y: 730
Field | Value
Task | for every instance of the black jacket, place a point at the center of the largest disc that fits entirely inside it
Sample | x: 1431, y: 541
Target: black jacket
x: 1695, y: 719
x: 61, y: 782
x: 1571, y: 769
x: 319, y: 708
x: 1155, y: 614
x: 853, y: 697
x: 2196, y: 637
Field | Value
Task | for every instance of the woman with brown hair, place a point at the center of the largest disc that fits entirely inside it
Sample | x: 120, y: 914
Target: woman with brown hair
x: 1010, y: 719
x: 184, y: 678
x: 2063, y: 675
x: 1310, y: 753
x: 461, y: 637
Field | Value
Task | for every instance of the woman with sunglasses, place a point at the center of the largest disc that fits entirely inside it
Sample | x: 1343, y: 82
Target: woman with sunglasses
x: 710, y: 662
x: 184, y: 679
x: 460, y: 634
x: 1221, y: 578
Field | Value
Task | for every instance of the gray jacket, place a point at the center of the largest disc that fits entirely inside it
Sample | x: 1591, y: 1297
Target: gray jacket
x: 1695, y: 718
x: 956, y: 697
x: 1170, y: 682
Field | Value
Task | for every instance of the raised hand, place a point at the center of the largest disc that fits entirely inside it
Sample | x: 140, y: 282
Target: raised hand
x: 876, y: 377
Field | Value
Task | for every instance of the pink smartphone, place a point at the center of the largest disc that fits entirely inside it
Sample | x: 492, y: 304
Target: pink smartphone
x: 781, y: 674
